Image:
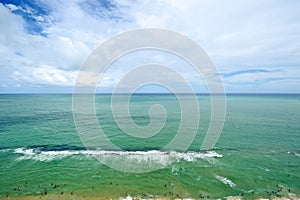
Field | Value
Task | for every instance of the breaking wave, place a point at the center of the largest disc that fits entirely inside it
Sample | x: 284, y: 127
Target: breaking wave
x: 45, y: 153
x: 226, y: 181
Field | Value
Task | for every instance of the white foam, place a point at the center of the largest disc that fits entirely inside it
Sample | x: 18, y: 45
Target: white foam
x: 24, y: 151
x: 5, y: 150
x: 175, y: 170
x: 226, y: 181
x: 192, y: 156
x: 155, y: 156
x: 294, y: 153
x: 128, y: 198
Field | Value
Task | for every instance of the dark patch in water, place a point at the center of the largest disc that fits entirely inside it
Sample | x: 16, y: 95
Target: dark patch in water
x: 13, y: 120
x: 57, y: 148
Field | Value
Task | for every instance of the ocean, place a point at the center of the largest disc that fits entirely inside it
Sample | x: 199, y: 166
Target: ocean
x: 256, y: 156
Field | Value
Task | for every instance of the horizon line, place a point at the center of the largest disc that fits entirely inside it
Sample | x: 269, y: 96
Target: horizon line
x: 161, y: 93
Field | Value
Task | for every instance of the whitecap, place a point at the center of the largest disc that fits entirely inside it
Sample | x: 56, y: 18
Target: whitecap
x: 192, y: 156
x: 24, y: 151
x: 5, y: 150
x: 293, y: 153
x: 225, y: 180
x: 153, y: 156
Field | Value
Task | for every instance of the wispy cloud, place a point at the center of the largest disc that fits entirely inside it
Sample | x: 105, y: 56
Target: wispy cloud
x: 248, y: 71
x: 259, y: 80
x: 35, y: 14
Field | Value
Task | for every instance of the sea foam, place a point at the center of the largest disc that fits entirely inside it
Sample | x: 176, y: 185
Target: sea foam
x: 162, y: 157
x: 226, y: 181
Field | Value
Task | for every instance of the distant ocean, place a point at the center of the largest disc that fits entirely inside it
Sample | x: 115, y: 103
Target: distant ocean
x: 257, y: 155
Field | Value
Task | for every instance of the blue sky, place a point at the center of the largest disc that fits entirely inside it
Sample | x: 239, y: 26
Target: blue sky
x: 255, y: 45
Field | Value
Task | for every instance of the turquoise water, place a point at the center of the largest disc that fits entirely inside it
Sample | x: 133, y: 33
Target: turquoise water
x: 257, y: 155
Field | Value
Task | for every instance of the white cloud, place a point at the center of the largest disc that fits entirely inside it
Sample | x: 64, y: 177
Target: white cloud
x: 237, y: 35
x: 45, y: 76
x: 57, y: 51
x: 12, y: 7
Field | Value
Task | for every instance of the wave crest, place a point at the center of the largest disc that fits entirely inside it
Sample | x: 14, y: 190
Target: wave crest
x: 156, y: 156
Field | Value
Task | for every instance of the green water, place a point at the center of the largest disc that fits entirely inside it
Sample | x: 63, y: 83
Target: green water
x: 257, y: 155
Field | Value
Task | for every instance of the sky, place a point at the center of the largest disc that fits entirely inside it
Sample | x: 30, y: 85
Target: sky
x: 254, y: 44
